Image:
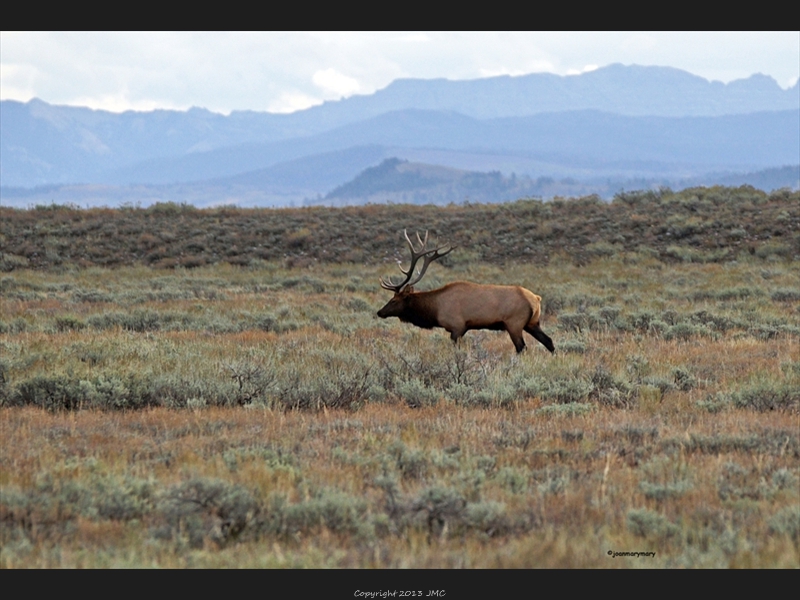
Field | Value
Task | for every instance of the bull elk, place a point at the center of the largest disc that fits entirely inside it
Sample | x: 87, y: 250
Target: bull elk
x: 460, y: 306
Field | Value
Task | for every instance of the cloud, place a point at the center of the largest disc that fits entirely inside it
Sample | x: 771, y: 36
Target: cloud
x: 585, y: 69
x: 637, y: 42
x: 286, y: 71
x: 289, y: 102
x: 18, y: 82
x: 335, y: 84
x: 120, y: 102
x: 534, y: 66
x: 413, y: 36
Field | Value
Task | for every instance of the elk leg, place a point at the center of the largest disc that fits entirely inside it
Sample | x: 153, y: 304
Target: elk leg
x: 456, y: 335
x: 519, y: 342
x: 541, y: 336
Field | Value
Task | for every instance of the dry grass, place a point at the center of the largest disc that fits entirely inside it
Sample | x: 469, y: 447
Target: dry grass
x: 204, y: 430
x: 563, y: 488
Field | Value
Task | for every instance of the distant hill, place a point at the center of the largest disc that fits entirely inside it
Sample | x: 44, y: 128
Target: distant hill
x: 401, y: 181
x: 394, y: 180
x: 767, y: 179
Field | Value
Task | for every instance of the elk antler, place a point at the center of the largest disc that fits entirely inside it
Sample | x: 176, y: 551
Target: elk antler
x: 427, y: 256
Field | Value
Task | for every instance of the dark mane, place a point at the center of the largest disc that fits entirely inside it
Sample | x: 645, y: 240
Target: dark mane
x: 420, y: 311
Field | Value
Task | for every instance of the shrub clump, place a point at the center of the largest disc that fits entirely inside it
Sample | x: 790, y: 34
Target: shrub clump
x: 787, y: 522
x: 212, y: 509
x: 329, y: 508
x: 114, y: 392
x: 611, y: 390
x: 649, y: 524
x: 416, y: 394
x: 786, y: 295
x: 571, y: 409
x: 687, y: 331
x: 766, y: 397
x: 566, y: 390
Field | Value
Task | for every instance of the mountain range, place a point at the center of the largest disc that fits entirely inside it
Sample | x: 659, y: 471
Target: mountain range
x: 620, y: 124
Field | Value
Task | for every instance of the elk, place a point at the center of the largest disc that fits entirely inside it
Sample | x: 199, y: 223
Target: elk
x: 460, y: 306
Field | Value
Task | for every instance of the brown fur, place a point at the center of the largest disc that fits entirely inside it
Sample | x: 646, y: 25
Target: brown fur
x: 462, y: 305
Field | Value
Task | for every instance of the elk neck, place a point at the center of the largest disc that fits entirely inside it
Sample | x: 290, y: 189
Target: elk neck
x: 421, y: 309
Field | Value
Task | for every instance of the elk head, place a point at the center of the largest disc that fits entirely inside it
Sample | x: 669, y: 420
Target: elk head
x: 402, y: 290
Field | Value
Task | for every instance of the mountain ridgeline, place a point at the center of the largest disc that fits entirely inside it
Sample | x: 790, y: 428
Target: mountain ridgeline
x: 490, y: 139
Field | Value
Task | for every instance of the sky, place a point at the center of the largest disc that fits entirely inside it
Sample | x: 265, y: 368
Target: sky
x: 286, y: 71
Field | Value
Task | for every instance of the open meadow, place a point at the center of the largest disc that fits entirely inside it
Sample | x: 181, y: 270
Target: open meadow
x: 187, y: 388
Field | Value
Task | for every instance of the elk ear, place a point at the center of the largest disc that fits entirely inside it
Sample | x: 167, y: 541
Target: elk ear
x: 409, y: 289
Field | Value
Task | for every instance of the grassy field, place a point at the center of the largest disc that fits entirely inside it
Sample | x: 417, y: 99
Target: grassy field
x: 260, y: 414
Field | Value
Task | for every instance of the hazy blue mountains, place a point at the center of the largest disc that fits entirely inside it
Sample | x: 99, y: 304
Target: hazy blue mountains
x: 618, y: 122
x: 625, y: 90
